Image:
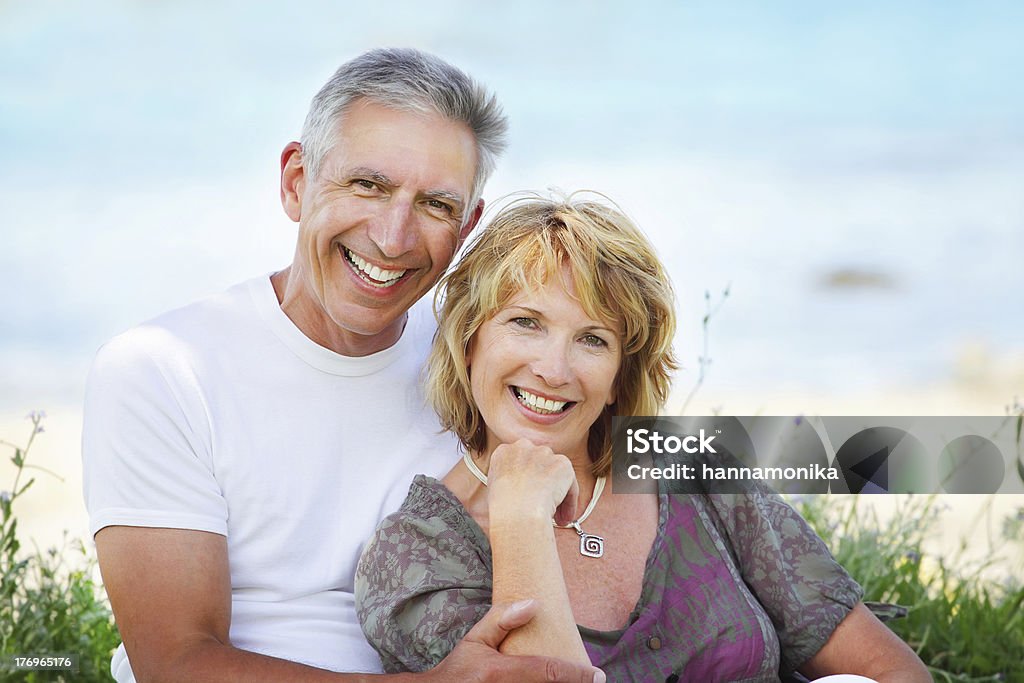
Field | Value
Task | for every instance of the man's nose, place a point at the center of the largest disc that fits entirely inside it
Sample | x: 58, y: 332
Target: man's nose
x: 553, y: 364
x: 393, y: 229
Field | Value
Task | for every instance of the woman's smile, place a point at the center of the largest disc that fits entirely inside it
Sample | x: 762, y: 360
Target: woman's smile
x: 537, y: 403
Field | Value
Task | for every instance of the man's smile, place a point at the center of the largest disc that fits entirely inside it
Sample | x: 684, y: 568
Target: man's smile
x: 369, y: 273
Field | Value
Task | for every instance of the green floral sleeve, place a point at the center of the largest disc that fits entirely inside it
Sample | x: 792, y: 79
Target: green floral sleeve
x: 423, y: 581
x: 788, y: 567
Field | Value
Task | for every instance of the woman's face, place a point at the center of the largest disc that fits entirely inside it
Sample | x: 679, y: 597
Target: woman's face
x: 543, y: 370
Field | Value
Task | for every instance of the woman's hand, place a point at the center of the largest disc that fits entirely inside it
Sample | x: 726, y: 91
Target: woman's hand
x: 526, y: 481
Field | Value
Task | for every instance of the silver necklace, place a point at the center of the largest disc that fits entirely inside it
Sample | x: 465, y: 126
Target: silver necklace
x: 591, y: 545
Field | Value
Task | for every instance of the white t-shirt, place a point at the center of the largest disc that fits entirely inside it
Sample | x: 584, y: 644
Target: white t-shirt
x: 224, y: 417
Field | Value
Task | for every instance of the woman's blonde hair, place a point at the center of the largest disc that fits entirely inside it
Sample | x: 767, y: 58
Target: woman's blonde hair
x: 617, y: 277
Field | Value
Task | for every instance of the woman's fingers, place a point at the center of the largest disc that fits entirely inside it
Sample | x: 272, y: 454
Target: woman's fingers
x: 529, y: 476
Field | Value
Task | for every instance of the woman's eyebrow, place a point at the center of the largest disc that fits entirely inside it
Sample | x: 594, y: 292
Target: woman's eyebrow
x: 525, y: 309
x: 596, y: 325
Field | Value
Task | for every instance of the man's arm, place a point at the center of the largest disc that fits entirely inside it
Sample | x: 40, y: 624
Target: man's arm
x: 170, y: 590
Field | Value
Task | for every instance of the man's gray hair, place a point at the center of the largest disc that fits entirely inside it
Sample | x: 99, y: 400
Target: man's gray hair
x: 407, y: 80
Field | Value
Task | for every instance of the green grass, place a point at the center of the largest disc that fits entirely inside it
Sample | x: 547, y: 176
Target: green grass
x: 49, y: 603
x: 963, y: 626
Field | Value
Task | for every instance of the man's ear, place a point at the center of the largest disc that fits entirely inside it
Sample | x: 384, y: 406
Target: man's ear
x: 293, y: 180
x: 471, y: 223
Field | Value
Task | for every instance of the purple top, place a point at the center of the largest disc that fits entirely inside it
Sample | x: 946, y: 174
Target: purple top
x: 737, y: 587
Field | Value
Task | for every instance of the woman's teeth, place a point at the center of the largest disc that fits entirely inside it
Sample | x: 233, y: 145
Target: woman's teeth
x: 378, y: 277
x: 540, y: 405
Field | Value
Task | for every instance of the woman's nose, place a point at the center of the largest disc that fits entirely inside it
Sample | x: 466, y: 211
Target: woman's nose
x: 553, y: 365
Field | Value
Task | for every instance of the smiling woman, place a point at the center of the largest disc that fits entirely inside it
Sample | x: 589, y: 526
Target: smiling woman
x: 544, y: 370
x: 558, y: 317
x: 608, y: 292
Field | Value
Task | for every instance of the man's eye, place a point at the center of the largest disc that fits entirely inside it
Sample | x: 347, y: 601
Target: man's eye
x: 440, y: 206
x: 365, y: 184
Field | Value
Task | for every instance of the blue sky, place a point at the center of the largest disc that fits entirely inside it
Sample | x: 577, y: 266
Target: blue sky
x: 761, y: 144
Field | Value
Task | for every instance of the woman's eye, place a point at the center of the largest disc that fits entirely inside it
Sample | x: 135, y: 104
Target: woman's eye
x: 594, y: 340
x: 526, y: 323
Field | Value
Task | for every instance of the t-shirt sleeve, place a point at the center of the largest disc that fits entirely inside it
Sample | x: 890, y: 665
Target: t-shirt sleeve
x: 146, y: 451
x: 805, y: 592
x: 420, y: 586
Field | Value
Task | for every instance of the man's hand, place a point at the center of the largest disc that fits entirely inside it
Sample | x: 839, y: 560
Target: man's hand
x: 476, y: 657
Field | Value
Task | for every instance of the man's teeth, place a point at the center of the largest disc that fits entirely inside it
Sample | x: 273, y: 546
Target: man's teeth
x: 374, y: 275
x: 541, y: 405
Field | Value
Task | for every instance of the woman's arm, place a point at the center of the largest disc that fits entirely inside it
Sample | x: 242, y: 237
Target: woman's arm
x: 863, y: 645
x: 822, y: 625
x: 422, y: 582
x: 526, y: 485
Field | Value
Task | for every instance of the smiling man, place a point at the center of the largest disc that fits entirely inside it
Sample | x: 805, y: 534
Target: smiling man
x: 378, y: 223
x: 238, y: 451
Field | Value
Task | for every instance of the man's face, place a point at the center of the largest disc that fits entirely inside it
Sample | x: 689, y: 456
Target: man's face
x: 378, y: 225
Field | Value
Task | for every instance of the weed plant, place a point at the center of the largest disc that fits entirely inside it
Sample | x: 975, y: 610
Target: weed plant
x: 49, y: 603
x: 963, y: 626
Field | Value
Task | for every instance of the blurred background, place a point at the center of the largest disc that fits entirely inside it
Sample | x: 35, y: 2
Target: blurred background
x: 851, y: 173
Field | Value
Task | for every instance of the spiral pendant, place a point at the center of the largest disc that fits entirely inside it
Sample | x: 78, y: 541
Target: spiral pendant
x: 591, y: 545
